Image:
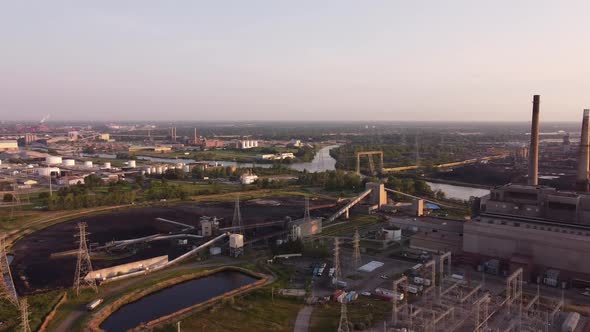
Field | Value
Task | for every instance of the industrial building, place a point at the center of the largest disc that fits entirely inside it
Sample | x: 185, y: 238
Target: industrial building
x: 246, y: 144
x: 535, y: 227
x: 277, y: 156
x: 8, y: 145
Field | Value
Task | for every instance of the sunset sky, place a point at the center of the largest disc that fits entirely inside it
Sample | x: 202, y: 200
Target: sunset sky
x: 294, y: 60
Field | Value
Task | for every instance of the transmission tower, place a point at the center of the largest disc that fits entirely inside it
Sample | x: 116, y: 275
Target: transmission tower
x: 307, y: 215
x: 343, y: 326
x: 7, y: 289
x: 237, y: 221
x: 337, y: 270
x: 356, y: 255
x: 83, y: 266
x: 24, y: 315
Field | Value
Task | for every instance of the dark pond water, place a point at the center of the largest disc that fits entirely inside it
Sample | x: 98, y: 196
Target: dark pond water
x: 174, y: 298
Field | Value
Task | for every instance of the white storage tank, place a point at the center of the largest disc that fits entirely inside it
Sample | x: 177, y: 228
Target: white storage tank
x: 159, y: 170
x: 186, y: 169
x: 88, y: 164
x: 132, y: 163
x: 46, y: 171
x: 148, y: 170
x: 392, y: 233
x: 53, y: 160
x: 69, y: 162
x: 106, y: 165
x: 236, y: 241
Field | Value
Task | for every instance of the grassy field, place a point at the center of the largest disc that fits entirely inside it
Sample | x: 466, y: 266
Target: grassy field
x: 347, y: 228
x: 362, y: 314
x: 39, y: 306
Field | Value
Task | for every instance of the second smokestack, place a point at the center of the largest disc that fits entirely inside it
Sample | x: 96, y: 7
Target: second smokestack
x: 534, y: 149
x: 584, y: 155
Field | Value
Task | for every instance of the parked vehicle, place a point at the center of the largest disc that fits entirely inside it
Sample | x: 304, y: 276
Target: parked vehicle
x: 421, y: 281
x: 331, y: 272
x: 92, y: 305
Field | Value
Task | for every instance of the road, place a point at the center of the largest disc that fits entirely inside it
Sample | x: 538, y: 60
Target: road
x: 303, y: 317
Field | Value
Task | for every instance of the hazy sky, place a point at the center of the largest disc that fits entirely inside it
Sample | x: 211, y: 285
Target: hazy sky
x: 294, y: 60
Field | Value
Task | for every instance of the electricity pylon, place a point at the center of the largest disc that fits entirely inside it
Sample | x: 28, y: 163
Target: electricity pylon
x: 307, y: 215
x: 24, y: 315
x: 83, y: 266
x: 356, y: 255
x: 337, y: 269
x: 7, y: 289
x: 343, y: 325
x: 237, y: 221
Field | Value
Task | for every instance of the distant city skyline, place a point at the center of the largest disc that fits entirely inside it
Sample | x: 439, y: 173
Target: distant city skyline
x: 294, y: 61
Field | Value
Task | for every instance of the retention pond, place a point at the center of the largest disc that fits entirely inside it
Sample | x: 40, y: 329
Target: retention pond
x: 175, y: 298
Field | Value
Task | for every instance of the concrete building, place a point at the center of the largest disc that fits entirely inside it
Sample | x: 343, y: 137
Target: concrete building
x: 538, y: 202
x: 30, y: 138
x: 8, y: 145
x: 129, y: 268
x: 277, y: 156
x: 295, y: 143
x: 71, y: 180
x: 246, y: 144
x: 248, y: 178
x: 206, y: 228
x: 378, y: 195
x: 302, y: 228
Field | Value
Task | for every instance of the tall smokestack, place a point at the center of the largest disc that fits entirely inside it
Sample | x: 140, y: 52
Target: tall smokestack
x: 584, y: 155
x: 195, y: 136
x: 534, y: 150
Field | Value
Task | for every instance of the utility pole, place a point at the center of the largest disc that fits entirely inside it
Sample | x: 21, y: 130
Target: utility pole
x: 84, y: 265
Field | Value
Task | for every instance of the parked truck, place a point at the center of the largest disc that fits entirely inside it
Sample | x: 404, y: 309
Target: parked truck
x: 92, y: 305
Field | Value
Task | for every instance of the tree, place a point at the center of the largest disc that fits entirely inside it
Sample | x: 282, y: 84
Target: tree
x: 93, y: 181
x: 8, y: 197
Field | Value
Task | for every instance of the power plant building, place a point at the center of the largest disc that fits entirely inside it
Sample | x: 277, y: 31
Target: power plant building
x: 535, y: 227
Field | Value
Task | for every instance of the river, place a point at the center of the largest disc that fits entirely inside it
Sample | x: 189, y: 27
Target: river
x: 173, y: 299
x: 458, y: 192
